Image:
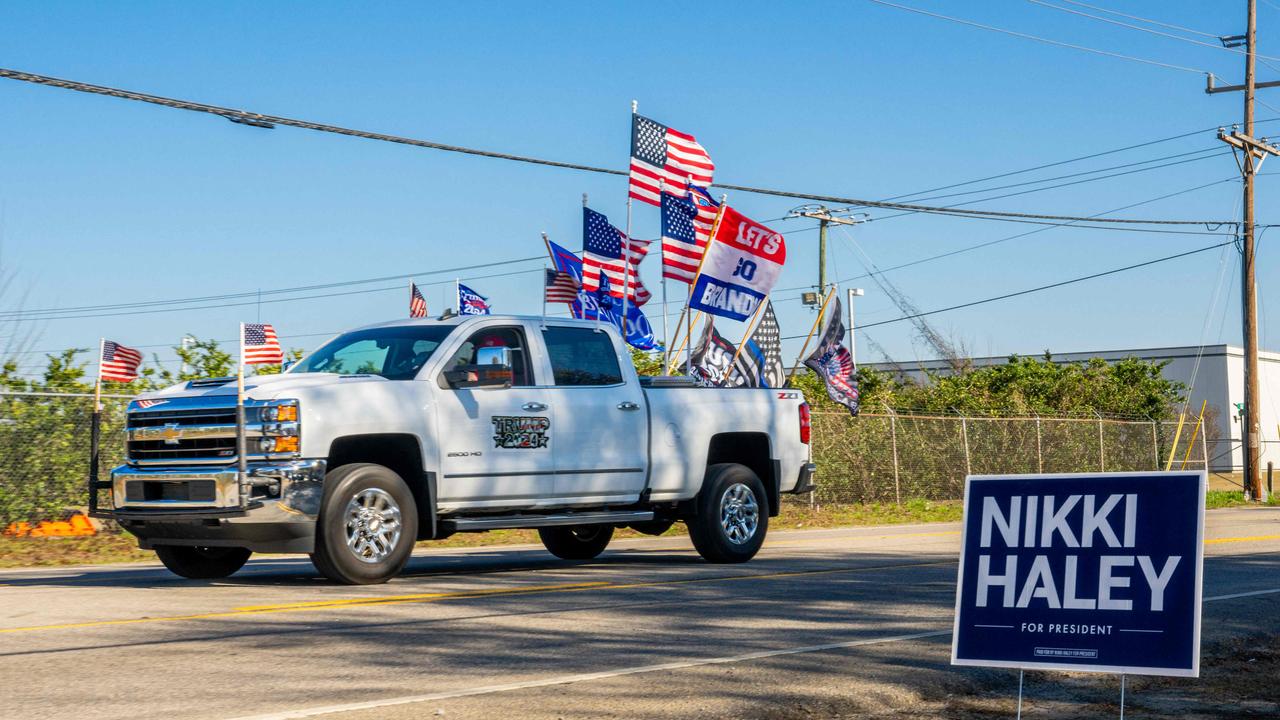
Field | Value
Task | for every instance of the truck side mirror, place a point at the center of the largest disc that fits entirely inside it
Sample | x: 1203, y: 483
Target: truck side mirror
x: 471, y: 376
x: 494, y: 356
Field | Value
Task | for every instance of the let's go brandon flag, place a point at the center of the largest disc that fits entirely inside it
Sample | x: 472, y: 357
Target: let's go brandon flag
x: 742, y: 264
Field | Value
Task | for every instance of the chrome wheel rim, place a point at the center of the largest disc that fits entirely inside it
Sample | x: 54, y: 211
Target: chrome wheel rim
x: 739, y: 513
x: 373, y: 525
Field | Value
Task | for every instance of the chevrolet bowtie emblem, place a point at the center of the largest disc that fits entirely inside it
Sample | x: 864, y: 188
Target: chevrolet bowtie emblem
x: 171, y: 434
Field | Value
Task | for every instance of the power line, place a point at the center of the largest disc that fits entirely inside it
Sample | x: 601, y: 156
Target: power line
x: 1214, y: 46
x: 1040, y: 288
x: 1145, y: 20
x: 275, y: 300
x: 260, y: 120
x: 24, y: 314
x: 1037, y: 38
x: 989, y: 243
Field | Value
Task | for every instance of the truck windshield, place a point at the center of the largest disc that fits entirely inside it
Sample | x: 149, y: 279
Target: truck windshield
x: 395, y: 353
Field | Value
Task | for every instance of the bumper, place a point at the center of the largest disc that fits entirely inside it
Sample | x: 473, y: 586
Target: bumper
x: 198, y: 506
x: 805, y: 483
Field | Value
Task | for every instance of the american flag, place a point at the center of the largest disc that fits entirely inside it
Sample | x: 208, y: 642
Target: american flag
x: 118, y: 363
x: 260, y: 345
x: 763, y: 352
x: 602, y: 249
x: 417, y: 303
x: 833, y: 362
x: 561, y: 287
x: 660, y: 154
x: 686, y: 226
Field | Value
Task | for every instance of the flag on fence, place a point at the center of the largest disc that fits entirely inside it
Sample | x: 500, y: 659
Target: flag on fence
x: 589, y: 305
x: 417, y: 303
x: 686, y: 226
x: 259, y: 344
x: 603, y: 246
x: 471, y: 302
x: 743, y: 262
x: 561, y: 287
x: 832, y: 361
x: 761, y: 357
x: 662, y: 155
x: 118, y: 363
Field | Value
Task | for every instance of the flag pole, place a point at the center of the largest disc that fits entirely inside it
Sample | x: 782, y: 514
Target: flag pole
x: 715, y: 227
x: 95, y: 432
x: 816, y: 321
x: 242, y: 464
x: 747, y: 335
x: 457, y: 295
x: 626, y: 245
x: 666, y: 336
x: 596, y: 299
x: 410, y: 297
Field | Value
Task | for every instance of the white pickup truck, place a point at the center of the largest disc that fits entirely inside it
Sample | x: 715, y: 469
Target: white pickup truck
x: 417, y: 429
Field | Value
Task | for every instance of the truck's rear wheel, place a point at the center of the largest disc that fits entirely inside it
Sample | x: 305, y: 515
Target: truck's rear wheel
x: 576, y: 542
x: 202, y: 563
x: 367, y: 527
x: 732, y: 516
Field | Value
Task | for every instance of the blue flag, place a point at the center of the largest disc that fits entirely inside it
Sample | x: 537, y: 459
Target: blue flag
x: 471, y: 302
x: 609, y: 309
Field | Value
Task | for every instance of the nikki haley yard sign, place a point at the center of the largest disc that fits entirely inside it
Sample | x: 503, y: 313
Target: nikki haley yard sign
x: 1093, y: 572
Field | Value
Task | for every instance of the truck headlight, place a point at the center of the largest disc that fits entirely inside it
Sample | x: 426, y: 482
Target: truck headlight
x: 284, y: 444
x: 280, y: 413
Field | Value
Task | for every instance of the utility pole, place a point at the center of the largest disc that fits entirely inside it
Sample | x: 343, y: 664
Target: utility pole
x: 1249, y: 153
x: 824, y: 217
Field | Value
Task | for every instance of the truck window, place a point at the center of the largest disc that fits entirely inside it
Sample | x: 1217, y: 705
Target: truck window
x: 582, y: 356
x: 395, y: 353
x: 509, y: 337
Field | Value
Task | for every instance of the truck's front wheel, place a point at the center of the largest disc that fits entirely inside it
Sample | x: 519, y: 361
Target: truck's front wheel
x: 732, y: 515
x: 577, y: 542
x: 202, y: 563
x: 367, y: 526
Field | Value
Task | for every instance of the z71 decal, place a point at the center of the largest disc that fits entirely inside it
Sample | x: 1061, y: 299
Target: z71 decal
x: 520, y: 433
x: 788, y: 396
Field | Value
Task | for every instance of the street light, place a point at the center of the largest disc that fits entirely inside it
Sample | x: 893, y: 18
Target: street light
x: 853, y: 293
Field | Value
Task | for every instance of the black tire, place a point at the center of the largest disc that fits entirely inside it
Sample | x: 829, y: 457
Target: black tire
x: 576, y: 542
x: 202, y: 563
x: 377, y: 503
x: 732, y: 515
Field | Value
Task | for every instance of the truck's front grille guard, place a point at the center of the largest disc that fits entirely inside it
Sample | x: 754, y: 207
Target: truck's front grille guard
x: 196, y: 420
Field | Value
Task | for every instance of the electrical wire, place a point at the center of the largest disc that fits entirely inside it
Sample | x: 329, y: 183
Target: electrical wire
x: 1040, y: 288
x: 268, y: 121
x: 40, y: 313
x: 1217, y: 46
x: 1037, y: 38
x: 1145, y: 20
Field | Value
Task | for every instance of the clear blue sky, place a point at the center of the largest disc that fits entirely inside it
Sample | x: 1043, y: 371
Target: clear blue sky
x: 105, y: 201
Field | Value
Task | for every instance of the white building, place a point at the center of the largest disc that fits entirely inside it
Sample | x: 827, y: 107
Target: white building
x: 1219, y: 380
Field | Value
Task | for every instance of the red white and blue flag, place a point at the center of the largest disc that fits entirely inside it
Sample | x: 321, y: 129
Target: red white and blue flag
x: 662, y: 156
x: 259, y: 344
x: 743, y: 262
x: 118, y: 363
x: 561, y: 287
x: 603, y: 247
x: 417, y: 303
x: 599, y: 305
x: 686, y: 227
x: 471, y: 302
x: 832, y: 361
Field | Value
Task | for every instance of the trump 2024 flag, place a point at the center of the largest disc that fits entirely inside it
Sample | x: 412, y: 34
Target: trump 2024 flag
x: 742, y: 264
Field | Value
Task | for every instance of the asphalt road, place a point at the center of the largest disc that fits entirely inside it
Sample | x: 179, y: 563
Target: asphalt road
x: 853, y: 616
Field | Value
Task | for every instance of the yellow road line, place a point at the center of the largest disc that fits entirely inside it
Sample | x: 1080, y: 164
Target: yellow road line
x: 1251, y: 538
x: 460, y: 595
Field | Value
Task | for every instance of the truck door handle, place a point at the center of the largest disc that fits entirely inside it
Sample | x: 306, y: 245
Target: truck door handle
x: 534, y: 406
x: 628, y: 405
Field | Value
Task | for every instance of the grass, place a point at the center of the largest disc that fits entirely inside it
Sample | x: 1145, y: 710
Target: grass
x: 109, y: 547
x: 116, y: 547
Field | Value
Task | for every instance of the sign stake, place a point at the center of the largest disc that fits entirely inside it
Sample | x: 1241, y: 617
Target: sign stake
x: 1021, y: 673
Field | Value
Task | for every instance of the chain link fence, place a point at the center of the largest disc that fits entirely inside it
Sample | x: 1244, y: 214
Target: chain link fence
x: 894, y: 457
x: 44, y: 451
